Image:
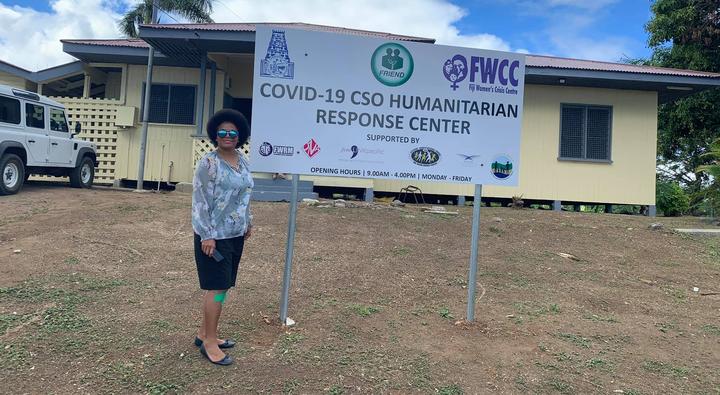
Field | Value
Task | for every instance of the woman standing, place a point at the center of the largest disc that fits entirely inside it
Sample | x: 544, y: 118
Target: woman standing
x: 222, y: 222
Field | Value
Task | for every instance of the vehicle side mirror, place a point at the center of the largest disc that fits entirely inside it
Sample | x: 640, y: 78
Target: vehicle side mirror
x: 78, y: 128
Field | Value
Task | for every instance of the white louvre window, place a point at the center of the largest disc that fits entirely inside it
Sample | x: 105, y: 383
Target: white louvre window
x: 585, y: 132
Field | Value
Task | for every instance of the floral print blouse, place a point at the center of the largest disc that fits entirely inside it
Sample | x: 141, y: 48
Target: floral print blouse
x: 221, y: 198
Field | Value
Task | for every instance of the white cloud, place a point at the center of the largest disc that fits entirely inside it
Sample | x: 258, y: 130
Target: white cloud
x: 31, y: 39
x: 424, y: 18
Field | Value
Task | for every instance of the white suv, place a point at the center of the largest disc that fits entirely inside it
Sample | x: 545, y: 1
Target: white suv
x: 35, y: 139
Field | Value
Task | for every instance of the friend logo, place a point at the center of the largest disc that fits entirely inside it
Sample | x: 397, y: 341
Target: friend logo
x: 392, y: 64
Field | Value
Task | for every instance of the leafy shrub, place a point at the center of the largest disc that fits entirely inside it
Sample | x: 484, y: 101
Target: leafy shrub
x: 672, y: 201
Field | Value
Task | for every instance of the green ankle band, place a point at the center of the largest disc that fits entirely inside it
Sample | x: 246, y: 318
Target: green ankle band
x: 220, y: 297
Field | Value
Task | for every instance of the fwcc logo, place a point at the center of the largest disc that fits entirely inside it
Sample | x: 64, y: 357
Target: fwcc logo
x: 392, y: 64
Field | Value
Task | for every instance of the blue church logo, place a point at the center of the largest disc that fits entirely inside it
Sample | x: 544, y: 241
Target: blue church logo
x: 277, y: 62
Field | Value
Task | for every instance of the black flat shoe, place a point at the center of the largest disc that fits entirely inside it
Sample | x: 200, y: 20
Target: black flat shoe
x: 228, y: 343
x: 228, y: 360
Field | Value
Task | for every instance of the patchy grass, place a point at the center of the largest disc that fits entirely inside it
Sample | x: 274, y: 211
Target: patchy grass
x: 665, y: 368
x: 711, y: 329
x: 577, y: 340
x: 420, y: 372
x: 677, y: 295
x: 336, y: 390
x: 666, y: 327
x: 290, y: 386
x: 163, y: 325
x: 14, y: 355
x: 598, y: 363
x: 599, y: 318
x: 560, y: 386
x: 533, y: 310
x: 288, y: 344
x: 10, y: 320
x: 444, y: 312
x: 362, y: 310
x: 64, y: 318
x: 71, y: 260
x: 374, y: 302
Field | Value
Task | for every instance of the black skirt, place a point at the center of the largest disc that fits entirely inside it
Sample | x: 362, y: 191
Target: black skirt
x: 214, y: 275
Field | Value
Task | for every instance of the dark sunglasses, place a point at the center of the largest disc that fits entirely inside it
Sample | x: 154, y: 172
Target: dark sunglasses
x: 222, y: 133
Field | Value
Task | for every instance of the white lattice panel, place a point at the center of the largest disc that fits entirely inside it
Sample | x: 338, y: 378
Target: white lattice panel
x: 97, y: 117
x: 201, y: 146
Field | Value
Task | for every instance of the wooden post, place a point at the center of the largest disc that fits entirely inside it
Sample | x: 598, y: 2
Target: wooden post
x: 86, y: 86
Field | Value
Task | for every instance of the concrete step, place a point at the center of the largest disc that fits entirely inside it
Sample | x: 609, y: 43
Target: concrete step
x: 280, y: 196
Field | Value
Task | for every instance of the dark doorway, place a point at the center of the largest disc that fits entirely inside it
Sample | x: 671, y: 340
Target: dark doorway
x: 241, y: 104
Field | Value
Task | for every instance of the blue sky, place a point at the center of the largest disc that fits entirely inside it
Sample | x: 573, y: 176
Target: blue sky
x: 533, y: 27
x: 608, y: 30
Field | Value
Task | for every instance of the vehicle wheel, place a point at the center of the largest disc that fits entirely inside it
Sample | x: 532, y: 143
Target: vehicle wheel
x: 13, y: 174
x: 82, y: 176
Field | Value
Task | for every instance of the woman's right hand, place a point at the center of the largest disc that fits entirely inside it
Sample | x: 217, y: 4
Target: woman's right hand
x: 208, y: 247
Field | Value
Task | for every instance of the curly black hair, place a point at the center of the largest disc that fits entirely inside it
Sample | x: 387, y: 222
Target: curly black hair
x: 234, y: 117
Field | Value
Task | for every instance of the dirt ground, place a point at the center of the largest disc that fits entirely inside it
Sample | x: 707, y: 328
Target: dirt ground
x: 103, y: 298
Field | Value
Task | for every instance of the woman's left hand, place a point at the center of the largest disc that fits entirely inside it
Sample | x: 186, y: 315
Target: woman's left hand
x: 248, y: 232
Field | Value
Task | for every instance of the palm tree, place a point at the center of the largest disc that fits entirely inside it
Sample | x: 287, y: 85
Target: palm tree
x: 714, y: 168
x: 193, y: 10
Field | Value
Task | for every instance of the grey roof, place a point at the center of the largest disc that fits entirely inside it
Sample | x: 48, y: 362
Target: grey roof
x: 15, y: 70
x: 250, y: 27
x: 43, y: 75
x: 184, y: 44
x: 580, y: 64
x: 533, y: 61
x: 120, y: 42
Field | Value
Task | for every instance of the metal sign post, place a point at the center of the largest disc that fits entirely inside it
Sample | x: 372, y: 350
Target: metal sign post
x: 474, y: 253
x: 289, y: 250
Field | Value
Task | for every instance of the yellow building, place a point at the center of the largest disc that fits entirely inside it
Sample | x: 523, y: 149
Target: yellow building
x: 589, y: 131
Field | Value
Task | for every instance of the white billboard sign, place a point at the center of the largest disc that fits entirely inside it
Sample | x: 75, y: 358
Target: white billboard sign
x: 353, y: 106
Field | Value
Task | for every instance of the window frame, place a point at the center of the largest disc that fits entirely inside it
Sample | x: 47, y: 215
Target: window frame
x: 45, y: 119
x: 64, y: 116
x: 20, y: 111
x: 585, y: 108
x: 167, y: 118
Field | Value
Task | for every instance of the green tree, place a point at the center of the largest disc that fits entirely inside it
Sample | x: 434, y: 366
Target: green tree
x: 712, y: 193
x: 713, y: 168
x: 193, y: 10
x: 686, y: 34
x: 672, y: 201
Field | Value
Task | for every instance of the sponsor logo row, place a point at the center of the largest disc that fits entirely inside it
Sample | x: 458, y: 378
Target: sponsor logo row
x: 501, y: 167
